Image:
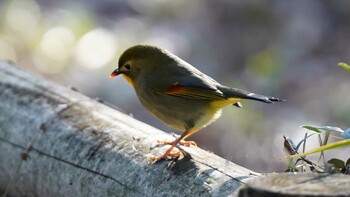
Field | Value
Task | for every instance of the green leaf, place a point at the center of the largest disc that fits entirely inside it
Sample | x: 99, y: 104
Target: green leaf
x: 312, y: 128
x: 326, y: 137
x: 345, y: 66
x: 320, y: 129
x: 337, y: 163
x: 303, y: 141
x: 323, y: 148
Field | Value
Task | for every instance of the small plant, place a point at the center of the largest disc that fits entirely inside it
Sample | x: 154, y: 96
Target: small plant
x: 323, y: 133
x: 333, y: 165
x: 345, y: 66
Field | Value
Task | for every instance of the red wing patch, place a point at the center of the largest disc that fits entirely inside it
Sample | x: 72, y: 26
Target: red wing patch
x: 174, y: 89
x: 194, y: 93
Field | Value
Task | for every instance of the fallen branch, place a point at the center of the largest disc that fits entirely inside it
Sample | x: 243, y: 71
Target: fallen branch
x: 56, y: 142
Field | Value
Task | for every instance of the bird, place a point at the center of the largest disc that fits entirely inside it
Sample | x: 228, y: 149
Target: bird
x: 177, y: 93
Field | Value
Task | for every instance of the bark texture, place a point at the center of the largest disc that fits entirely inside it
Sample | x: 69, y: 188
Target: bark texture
x: 56, y: 142
x: 292, y: 185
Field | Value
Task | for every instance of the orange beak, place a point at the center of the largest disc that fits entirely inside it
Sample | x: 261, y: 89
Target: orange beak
x: 116, y: 72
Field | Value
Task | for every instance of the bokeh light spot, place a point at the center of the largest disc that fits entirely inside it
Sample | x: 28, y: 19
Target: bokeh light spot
x: 58, y: 43
x: 96, y: 48
x: 23, y: 16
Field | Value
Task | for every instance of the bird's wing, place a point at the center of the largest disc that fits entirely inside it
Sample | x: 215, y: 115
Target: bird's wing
x: 194, y: 92
x: 189, y: 82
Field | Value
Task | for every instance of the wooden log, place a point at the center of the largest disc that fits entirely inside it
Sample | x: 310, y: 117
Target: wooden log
x: 292, y: 185
x: 56, y: 142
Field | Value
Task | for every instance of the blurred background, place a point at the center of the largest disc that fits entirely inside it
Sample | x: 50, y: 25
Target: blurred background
x: 287, y: 49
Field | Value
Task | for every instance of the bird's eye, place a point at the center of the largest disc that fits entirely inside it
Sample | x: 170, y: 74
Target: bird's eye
x: 127, y: 66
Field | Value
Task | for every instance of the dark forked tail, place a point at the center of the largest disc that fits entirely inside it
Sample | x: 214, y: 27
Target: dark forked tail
x: 237, y: 93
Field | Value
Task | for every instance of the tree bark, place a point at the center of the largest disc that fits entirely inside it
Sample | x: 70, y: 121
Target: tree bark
x: 292, y: 185
x: 56, y: 142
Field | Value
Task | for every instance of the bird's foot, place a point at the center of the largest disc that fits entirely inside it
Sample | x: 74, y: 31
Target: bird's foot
x: 167, y: 155
x: 182, y: 142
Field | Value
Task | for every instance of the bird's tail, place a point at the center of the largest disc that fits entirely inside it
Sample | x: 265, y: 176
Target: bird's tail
x: 237, y: 93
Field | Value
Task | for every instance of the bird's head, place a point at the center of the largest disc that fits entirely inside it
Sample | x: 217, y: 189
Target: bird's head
x: 141, y: 60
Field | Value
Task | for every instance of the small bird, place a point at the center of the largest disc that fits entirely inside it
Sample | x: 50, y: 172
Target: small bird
x: 177, y: 93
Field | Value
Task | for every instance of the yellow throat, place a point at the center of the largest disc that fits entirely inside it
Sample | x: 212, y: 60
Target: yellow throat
x: 128, y: 79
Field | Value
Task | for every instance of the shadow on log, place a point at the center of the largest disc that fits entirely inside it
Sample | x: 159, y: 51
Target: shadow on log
x: 56, y: 142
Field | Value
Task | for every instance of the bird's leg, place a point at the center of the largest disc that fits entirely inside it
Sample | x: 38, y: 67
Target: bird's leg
x: 182, y: 142
x: 177, y: 141
x: 188, y: 143
x: 168, y: 153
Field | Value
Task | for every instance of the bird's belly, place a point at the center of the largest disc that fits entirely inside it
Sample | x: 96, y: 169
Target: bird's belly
x: 179, y: 113
x: 207, y: 118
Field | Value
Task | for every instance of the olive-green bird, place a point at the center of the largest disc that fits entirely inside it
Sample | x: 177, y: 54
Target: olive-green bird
x: 176, y: 92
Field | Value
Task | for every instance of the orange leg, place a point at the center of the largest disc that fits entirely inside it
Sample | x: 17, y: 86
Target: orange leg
x: 182, y: 142
x: 177, y: 141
